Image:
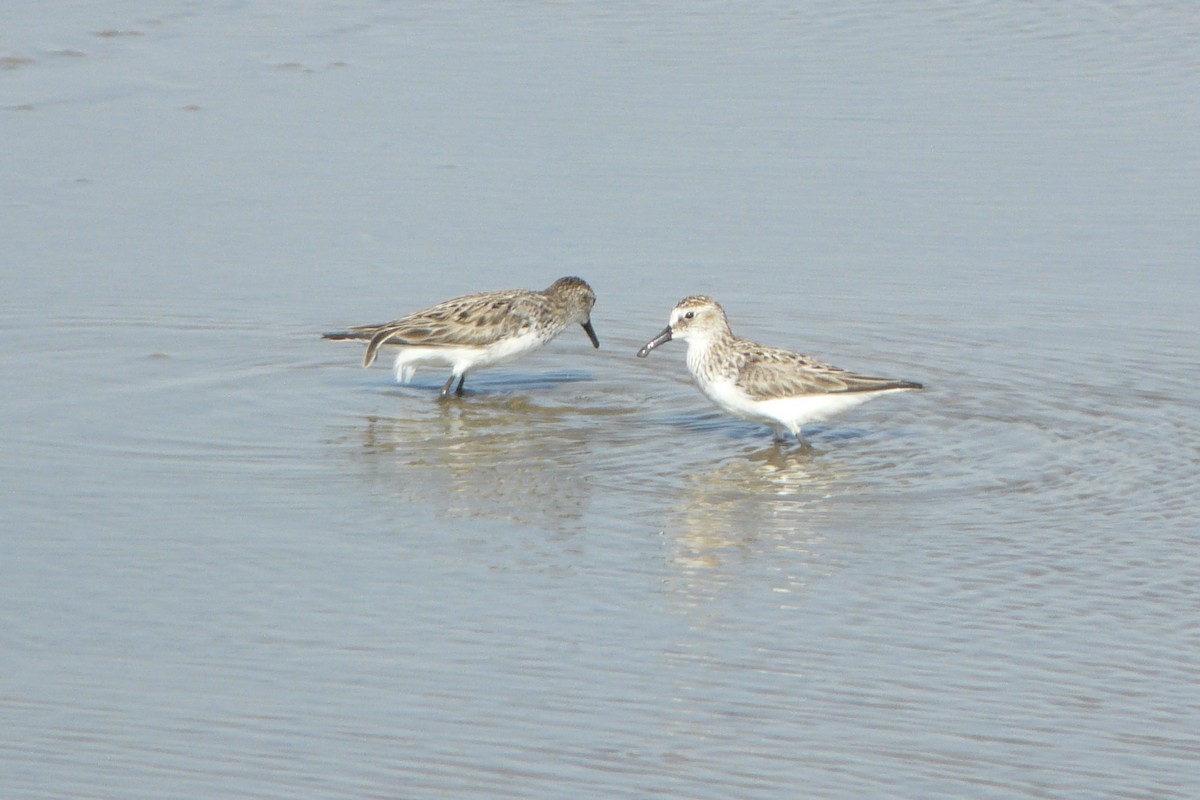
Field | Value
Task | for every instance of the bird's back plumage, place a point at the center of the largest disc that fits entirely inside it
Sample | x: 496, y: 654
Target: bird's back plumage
x: 765, y: 372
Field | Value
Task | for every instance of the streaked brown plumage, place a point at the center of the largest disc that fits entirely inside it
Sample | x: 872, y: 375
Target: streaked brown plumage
x: 478, y: 330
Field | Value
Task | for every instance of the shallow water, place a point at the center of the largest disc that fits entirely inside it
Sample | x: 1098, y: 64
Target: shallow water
x: 235, y: 563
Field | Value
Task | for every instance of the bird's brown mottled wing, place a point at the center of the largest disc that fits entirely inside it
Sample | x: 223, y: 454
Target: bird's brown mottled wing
x: 472, y: 321
x: 769, y: 372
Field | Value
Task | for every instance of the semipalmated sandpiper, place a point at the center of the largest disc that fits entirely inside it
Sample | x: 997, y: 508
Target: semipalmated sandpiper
x: 765, y: 384
x: 478, y: 330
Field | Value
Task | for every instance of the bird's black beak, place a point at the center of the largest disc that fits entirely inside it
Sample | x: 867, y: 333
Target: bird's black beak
x: 662, y: 338
x: 587, y: 327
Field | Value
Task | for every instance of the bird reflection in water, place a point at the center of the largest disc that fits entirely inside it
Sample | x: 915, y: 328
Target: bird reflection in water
x: 761, y: 500
x: 501, y: 457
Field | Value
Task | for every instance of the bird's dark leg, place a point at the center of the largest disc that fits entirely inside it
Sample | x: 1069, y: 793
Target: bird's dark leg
x: 461, y: 381
x: 446, y: 389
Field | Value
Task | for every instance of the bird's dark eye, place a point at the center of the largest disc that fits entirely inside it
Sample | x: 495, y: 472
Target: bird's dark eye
x: 689, y: 315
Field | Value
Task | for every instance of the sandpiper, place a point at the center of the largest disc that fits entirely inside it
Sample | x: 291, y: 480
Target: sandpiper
x: 478, y: 330
x: 765, y: 384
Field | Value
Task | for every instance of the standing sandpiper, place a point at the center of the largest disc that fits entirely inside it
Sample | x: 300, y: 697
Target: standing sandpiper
x: 765, y: 384
x: 478, y: 330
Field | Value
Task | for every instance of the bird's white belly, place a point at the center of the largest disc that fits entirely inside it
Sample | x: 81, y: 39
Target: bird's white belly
x: 732, y: 400
x: 812, y: 408
x: 462, y: 359
x: 506, y: 350
x: 788, y: 411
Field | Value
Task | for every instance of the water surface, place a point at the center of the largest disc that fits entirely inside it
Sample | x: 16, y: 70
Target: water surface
x: 237, y: 564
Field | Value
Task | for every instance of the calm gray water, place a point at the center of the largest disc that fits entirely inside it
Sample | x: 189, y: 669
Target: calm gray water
x: 235, y: 564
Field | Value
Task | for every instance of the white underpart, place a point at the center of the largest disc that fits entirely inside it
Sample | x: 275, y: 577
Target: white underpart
x: 463, y: 359
x: 784, y: 413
